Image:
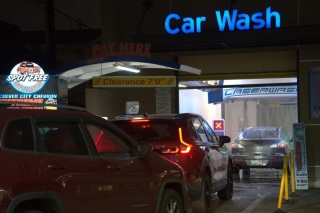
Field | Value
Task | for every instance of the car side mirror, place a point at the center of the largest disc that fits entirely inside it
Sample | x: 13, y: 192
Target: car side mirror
x: 224, y: 139
x: 144, y: 149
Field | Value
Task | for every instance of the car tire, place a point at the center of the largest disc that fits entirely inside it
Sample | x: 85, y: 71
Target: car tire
x: 171, y: 202
x: 227, y: 192
x: 203, y: 204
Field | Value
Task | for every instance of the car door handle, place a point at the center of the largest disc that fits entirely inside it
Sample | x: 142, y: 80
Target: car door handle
x: 56, y: 166
x: 113, y: 167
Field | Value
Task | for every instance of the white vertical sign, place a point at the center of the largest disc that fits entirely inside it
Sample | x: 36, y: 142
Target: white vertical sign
x: 300, y: 156
x: 163, y: 100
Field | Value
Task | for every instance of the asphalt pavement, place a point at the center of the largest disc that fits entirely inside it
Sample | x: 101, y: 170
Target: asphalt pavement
x: 258, y: 191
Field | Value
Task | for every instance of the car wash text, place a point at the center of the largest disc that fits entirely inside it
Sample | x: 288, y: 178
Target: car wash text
x: 231, y: 20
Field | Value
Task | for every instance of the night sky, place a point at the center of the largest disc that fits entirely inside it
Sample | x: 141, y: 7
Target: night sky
x: 20, y: 16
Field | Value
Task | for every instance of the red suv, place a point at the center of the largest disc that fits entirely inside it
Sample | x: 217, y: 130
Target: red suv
x: 188, y: 140
x: 73, y: 161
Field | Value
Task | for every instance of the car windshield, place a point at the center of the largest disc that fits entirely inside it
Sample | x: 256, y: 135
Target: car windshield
x: 258, y: 134
x: 150, y: 131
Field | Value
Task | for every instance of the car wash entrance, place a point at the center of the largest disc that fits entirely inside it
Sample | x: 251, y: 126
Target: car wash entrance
x: 252, y: 89
x: 258, y: 115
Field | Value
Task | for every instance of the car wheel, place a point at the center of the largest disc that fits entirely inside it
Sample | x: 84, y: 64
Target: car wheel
x: 171, y: 202
x: 227, y: 192
x: 203, y: 204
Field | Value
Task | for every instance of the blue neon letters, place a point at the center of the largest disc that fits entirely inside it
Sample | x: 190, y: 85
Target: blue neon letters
x: 243, y: 22
x: 187, y: 26
x: 231, y: 20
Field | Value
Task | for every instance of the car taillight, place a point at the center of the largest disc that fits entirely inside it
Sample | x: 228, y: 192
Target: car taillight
x: 187, y: 147
x: 236, y: 146
x: 139, y: 120
x: 170, y: 151
x: 282, y: 144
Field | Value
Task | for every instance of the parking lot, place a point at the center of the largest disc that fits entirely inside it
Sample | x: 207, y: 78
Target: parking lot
x: 257, y: 191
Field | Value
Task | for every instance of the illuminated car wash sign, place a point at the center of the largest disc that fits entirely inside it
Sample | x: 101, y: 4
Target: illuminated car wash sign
x: 272, y: 90
x: 231, y: 20
x: 27, y: 77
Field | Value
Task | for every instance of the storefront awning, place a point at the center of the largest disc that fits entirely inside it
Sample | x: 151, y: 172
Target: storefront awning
x: 81, y: 71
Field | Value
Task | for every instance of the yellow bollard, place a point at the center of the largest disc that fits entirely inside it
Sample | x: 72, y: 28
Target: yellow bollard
x: 293, y: 176
x: 286, y: 185
x: 283, y: 185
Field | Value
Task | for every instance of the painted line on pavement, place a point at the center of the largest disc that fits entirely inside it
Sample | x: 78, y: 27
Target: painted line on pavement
x: 255, y: 203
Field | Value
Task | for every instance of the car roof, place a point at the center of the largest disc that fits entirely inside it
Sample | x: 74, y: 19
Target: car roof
x: 155, y: 116
x: 19, y: 109
x: 262, y: 128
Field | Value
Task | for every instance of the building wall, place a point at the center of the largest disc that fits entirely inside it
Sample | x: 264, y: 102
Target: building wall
x: 125, y: 20
x: 112, y: 101
x: 309, y: 55
x: 116, y: 14
x: 242, y: 62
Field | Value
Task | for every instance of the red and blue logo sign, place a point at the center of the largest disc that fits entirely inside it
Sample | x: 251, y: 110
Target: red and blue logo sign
x: 27, y: 77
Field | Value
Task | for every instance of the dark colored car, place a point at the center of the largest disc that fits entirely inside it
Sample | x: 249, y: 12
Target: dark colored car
x: 188, y: 140
x: 71, y: 161
x: 260, y: 147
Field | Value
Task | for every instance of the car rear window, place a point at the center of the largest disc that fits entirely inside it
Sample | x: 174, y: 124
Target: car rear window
x: 150, y: 131
x: 258, y: 134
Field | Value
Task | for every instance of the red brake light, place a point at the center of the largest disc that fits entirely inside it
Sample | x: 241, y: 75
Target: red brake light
x: 185, y: 149
x: 233, y: 145
x: 139, y: 120
x: 188, y: 146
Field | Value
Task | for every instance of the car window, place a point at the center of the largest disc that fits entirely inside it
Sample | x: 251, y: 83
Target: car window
x: 29, y: 65
x: 192, y: 129
x: 150, y: 130
x: 212, y: 137
x: 107, y: 141
x: 199, y: 129
x: 258, y: 134
x: 19, y: 135
x: 61, y: 138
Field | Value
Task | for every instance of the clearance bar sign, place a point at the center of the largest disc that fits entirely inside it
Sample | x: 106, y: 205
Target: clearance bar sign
x: 134, y: 81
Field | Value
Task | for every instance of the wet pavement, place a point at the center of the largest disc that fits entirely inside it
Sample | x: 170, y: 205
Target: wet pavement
x: 257, y: 191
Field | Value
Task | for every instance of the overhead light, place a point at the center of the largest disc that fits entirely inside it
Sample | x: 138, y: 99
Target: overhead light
x: 126, y: 67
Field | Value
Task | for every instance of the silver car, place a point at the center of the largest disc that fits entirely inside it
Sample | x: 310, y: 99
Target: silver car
x: 260, y: 147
